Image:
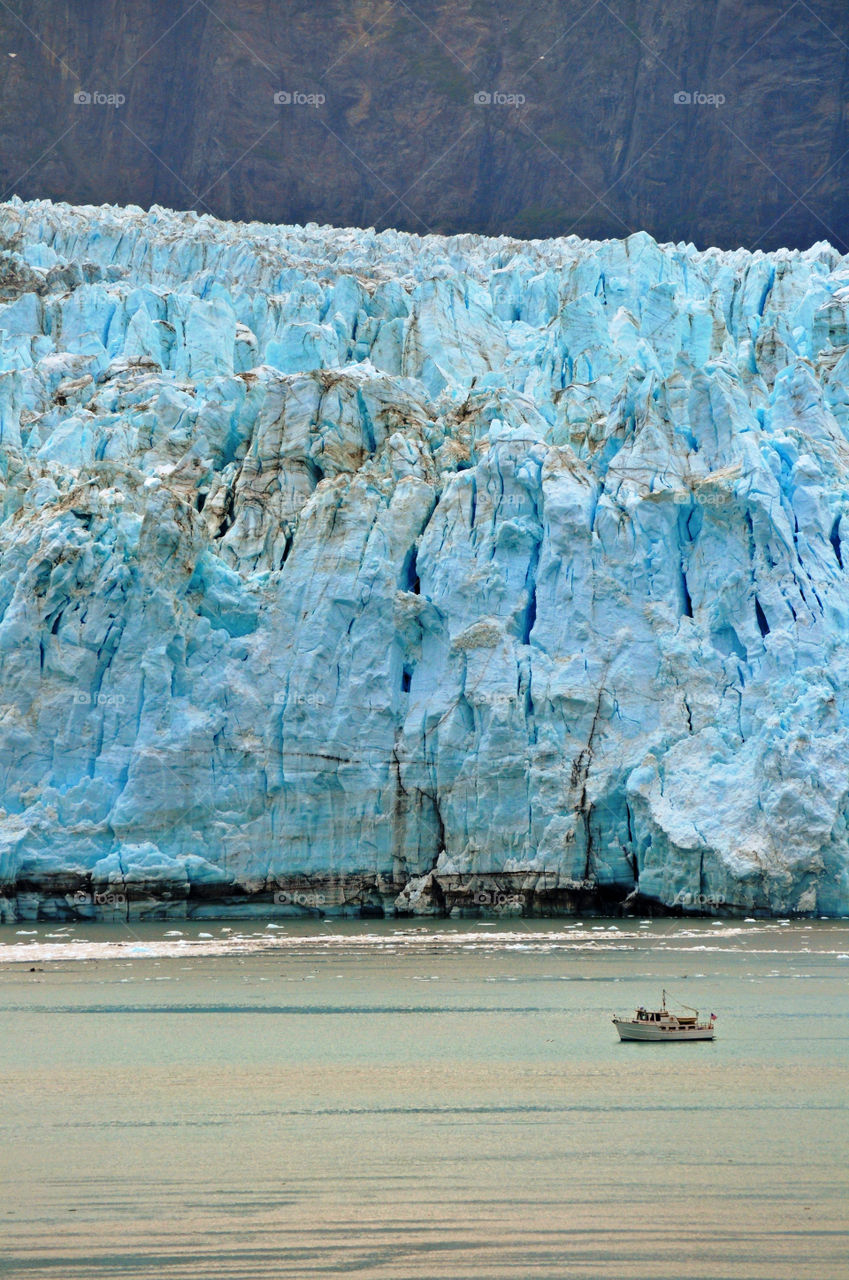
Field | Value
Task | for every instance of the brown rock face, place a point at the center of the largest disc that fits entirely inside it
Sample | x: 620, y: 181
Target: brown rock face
x: 575, y: 127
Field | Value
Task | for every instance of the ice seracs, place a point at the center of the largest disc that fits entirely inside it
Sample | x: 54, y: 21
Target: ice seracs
x: 360, y: 565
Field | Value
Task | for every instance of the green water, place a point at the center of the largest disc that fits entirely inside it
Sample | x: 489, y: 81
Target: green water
x: 442, y: 1100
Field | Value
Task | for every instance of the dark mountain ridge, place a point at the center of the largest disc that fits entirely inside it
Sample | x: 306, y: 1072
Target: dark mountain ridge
x: 532, y: 119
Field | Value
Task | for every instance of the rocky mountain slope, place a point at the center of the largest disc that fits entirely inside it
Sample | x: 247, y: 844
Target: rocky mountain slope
x: 587, y: 136
x: 353, y: 570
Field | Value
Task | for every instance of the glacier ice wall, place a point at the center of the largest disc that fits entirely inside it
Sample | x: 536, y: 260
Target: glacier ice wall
x: 419, y: 568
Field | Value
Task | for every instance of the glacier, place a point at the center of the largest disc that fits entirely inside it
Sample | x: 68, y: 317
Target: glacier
x: 358, y: 573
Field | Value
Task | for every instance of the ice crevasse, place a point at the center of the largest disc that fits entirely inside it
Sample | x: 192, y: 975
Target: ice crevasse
x: 365, y: 571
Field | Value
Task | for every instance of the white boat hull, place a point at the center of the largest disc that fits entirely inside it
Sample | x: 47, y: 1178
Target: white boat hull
x: 633, y: 1030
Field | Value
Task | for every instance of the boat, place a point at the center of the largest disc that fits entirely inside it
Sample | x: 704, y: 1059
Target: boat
x: 661, y: 1024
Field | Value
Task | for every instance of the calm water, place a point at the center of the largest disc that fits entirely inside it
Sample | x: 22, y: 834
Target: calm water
x: 427, y: 1101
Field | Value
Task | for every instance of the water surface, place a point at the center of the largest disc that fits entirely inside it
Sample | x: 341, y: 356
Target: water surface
x: 432, y: 1100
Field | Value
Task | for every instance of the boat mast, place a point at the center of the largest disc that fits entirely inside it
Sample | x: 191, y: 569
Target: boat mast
x: 681, y: 1004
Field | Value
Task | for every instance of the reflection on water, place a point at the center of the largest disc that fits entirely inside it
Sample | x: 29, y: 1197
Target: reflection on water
x: 428, y: 1100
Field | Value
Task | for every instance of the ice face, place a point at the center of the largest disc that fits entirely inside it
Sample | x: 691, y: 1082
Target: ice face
x: 330, y: 556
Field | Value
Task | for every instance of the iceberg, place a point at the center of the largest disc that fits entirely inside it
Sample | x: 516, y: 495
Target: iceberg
x: 383, y: 572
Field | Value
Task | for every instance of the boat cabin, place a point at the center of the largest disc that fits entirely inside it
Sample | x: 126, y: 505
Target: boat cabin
x: 663, y: 1015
